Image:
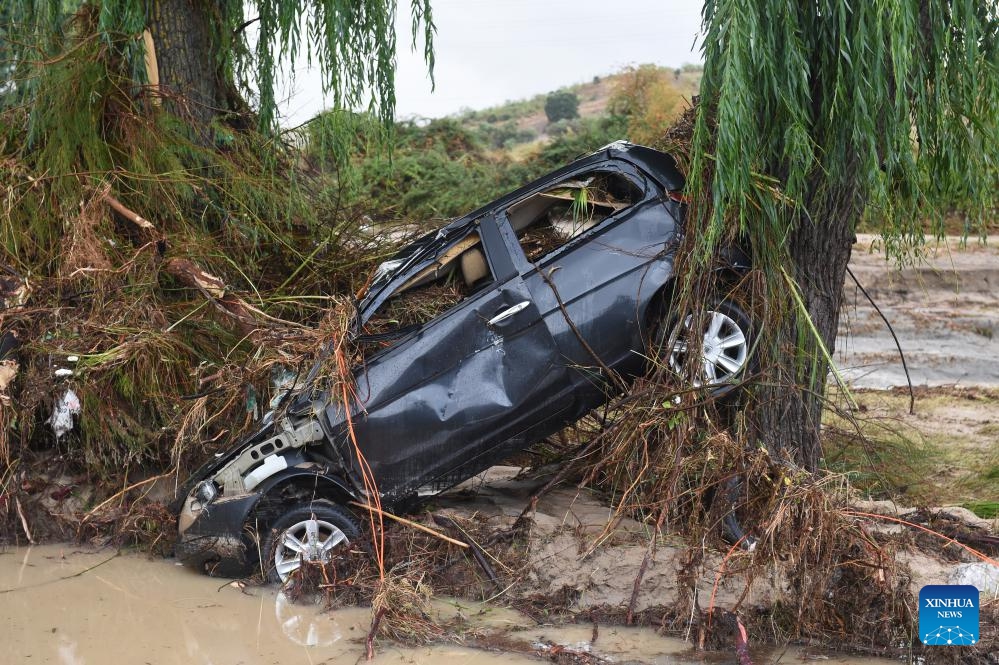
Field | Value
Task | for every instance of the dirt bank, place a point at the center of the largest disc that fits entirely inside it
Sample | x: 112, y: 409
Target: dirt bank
x: 579, y: 550
x: 944, y: 310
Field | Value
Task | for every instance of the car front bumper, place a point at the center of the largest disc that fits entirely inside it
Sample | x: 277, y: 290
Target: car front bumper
x: 214, y: 539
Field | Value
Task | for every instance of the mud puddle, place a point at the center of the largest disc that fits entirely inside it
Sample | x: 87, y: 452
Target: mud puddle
x: 62, y: 604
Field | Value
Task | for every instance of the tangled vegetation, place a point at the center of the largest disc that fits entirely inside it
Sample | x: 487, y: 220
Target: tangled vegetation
x: 161, y: 280
x: 175, y: 286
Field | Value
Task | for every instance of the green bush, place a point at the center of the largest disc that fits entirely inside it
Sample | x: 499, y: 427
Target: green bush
x: 503, y: 135
x: 578, y: 138
x: 561, y: 105
x: 434, y: 172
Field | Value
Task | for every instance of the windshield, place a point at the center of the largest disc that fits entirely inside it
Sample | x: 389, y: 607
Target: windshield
x: 428, y: 245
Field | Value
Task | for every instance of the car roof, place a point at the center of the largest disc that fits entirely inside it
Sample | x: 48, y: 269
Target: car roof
x: 659, y: 166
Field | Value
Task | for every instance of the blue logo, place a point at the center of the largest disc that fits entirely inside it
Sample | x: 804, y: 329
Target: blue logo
x: 948, y: 614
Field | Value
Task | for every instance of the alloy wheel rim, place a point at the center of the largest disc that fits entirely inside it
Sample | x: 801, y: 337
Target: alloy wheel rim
x: 724, y: 349
x: 308, y: 540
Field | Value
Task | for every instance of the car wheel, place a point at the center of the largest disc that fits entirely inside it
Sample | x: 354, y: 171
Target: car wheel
x: 725, y: 345
x: 314, y: 531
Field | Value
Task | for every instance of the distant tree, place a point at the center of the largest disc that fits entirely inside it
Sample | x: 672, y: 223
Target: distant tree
x: 648, y: 98
x: 561, y: 105
x: 572, y: 139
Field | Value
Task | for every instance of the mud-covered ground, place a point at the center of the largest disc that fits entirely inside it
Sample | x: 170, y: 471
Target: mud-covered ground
x: 944, y: 311
x: 584, y: 557
x: 582, y: 560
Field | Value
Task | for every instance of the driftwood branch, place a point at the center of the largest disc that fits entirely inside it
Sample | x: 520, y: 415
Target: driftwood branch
x: 414, y: 525
x: 122, y: 493
x: 477, y: 553
x: 369, y: 642
x: 130, y: 215
x: 250, y: 320
x: 24, y: 520
x: 898, y: 345
x: 188, y: 273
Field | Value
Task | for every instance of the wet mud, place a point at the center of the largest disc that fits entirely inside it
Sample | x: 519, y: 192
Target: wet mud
x: 73, y: 606
x: 944, y: 311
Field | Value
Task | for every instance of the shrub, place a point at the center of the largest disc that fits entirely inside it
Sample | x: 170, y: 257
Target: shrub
x: 561, y: 105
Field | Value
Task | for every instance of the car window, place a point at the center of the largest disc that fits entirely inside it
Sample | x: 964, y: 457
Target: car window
x: 547, y: 220
x: 456, y: 274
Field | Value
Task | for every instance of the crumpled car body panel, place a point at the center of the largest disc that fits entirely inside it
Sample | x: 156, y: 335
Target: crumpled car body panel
x: 514, y: 361
x: 430, y: 402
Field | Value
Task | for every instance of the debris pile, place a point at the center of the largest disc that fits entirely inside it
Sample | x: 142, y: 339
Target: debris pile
x: 152, y: 307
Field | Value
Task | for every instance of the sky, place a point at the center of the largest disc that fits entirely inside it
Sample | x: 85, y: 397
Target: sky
x: 492, y: 51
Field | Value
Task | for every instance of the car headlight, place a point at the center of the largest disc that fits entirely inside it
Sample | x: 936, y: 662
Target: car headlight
x: 206, y: 492
x: 198, y: 499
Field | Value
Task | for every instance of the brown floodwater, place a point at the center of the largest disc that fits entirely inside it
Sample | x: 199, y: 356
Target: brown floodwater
x: 75, y: 606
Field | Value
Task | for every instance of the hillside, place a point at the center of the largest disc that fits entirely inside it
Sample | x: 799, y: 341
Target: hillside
x: 524, y: 121
x: 447, y: 166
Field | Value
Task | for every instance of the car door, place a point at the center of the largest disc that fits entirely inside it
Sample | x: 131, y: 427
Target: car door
x: 462, y: 389
x: 592, y: 289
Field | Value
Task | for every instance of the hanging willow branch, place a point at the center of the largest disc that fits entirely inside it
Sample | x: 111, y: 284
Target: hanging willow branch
x: 353, y: 43
x: 897, y: 100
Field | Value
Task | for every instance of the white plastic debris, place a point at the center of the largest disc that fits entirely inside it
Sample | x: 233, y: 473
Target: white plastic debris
x: 72, y: 359
x: 283, y: 380
x: 985, y: 576
x: 62, y: 416
x: 62, y: 371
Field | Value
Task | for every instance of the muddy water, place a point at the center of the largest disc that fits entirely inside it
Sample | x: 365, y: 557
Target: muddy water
x: 61, y: 604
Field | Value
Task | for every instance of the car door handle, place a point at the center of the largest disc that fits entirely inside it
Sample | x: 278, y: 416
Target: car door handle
x: 507, y: 313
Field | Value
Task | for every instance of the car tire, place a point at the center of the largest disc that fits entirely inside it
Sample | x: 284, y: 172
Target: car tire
x: 732, y: 529
x: 726, y: 350
x: 313, y: 531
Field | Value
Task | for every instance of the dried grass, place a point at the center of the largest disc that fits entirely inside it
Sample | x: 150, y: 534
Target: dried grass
x: 401, y: 610
x: 416, y: 306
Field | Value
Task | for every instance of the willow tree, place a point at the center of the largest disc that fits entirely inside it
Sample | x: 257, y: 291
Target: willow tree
x: 816, y: 115
x: 213, y: 57
x: 149, y: 188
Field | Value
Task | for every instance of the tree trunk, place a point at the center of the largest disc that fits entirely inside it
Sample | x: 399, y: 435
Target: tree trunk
x: 187, y: 57
x: 789, y: 411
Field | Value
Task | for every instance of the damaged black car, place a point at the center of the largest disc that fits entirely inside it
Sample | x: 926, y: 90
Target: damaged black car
x: 545, y: 291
